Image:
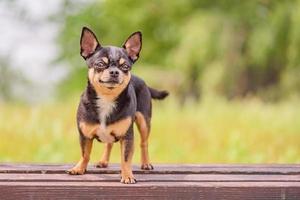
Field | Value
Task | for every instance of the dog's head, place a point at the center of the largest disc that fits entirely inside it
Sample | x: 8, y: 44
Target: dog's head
x: 109, y: 66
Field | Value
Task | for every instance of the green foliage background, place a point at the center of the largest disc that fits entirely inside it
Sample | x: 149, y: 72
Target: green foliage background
x: 232, y: 68
x: 229, y: 48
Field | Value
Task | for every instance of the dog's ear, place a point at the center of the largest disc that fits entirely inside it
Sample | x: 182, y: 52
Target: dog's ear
x: 133, y: 45
x: 88, y: 43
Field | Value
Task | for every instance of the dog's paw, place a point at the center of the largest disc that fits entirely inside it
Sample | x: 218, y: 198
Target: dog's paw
x: 76, y: 171
x: 128, y: 180
x: 102, y: 164
x: 147, y: 166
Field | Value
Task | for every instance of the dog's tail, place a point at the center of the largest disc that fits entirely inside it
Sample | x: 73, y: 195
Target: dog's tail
x: 156, y: 94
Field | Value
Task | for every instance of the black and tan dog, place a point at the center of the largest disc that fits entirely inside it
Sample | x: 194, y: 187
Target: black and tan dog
x: 113, y: 100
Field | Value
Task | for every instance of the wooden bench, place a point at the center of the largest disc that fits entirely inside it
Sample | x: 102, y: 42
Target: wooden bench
x: 38, y: 181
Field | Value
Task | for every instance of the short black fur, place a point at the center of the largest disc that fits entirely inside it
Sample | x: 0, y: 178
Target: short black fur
x: 109, y: 69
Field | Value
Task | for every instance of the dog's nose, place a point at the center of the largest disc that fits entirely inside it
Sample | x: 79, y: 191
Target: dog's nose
x: 114, y: 73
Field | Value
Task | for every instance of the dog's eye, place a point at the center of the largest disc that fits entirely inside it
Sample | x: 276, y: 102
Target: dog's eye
x: 124, y: 67
x: 100, y: 65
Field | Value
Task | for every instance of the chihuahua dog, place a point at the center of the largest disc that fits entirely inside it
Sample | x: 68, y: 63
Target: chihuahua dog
x: 113, y: 100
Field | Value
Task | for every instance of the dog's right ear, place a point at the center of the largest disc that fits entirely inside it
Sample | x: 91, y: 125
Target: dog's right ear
x: 88, y: 43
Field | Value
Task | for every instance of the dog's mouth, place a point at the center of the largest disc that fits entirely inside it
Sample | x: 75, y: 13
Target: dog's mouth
x: 111, y: 83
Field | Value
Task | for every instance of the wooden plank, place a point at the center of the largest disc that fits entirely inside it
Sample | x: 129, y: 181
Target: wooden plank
x: 140, y: 191
x: 40, y: 181
x: 215, y: 184
x: 161, y: 169
x: 150, y: 178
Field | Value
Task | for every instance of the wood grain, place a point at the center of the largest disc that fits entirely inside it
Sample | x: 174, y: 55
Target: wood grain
x: 160, y: 168
x: 44, y: 181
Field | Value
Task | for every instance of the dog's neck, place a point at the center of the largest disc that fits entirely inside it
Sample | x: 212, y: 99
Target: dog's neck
x: 105, y: 104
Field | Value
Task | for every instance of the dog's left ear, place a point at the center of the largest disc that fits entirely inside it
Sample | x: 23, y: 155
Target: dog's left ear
x: 133, y: 45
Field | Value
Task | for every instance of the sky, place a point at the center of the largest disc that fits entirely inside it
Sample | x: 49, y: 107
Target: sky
x: 28, y: 41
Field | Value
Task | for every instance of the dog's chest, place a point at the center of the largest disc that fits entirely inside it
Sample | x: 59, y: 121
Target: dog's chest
x: 106, y: 130
x: 104, y: 110
x: 110, y: 132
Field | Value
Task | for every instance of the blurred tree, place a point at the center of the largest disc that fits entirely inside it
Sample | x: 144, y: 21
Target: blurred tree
x: 252, y: 45
x: 10, y: 81
x: 5, y: 80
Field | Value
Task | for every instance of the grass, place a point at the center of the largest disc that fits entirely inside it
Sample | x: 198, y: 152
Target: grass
x: 214, y: 131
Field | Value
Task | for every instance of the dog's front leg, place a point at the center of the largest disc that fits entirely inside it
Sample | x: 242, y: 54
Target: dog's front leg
x: 127, y: 148
x: 86, y: 147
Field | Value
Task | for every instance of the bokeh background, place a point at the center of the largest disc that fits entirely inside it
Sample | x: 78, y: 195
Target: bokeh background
x: 232, y: 68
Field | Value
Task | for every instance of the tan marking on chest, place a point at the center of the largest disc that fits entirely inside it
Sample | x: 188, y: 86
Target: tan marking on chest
x: 106, y: 133
x: 88, y: 130
x: 120, y: 127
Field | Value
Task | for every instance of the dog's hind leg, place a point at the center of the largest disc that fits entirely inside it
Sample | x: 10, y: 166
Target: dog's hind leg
x: 144, y: 129
x: 103, y: 163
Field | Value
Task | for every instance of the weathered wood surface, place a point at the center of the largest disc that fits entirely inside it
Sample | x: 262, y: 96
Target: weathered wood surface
x: 21, y: 181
